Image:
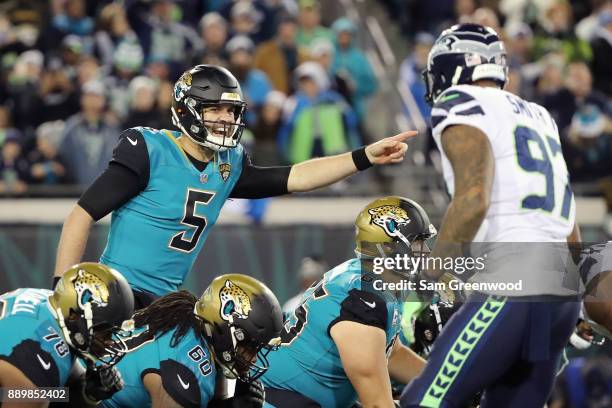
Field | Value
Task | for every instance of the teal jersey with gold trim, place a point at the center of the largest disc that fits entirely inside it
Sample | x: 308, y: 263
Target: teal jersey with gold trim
x: 308, y: 361
x: 31, y: 339
x: 156, y: 236
x: 187, y: 370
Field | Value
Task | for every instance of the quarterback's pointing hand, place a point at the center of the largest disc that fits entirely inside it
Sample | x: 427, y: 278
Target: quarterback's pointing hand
x: 390, y: 149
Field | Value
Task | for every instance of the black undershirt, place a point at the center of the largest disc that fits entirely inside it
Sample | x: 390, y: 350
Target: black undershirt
x: 128, y: 174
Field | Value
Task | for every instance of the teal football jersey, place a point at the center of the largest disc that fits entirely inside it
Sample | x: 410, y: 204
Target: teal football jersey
x: 187, y: 370
x: 156, y: 236
x: 308, y: 361
x: 31, y: 339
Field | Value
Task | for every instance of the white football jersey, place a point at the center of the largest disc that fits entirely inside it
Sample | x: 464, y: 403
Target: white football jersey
x: 531, y: 200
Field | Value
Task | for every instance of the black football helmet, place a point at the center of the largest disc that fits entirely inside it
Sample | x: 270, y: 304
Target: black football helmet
x: 463, y: 54
x: 202, y: 86
x: 91, y: 301
x: 429, y: 324
x: 242, y: 320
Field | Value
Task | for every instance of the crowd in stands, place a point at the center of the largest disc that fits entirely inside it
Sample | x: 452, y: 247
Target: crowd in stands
x: 75, y: 73
x: 560, y: 56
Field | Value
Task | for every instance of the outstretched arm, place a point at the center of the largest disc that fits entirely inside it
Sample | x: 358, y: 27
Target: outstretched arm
x: 321, y: 172
x: 73, y: 239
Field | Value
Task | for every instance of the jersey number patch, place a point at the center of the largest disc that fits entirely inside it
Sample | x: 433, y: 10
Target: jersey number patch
x: 191, y: 219
x: 295, y: 324
x: 198, y: 355
x: 543, y: 165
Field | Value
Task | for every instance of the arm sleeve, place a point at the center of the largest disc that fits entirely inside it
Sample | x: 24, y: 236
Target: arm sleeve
x: 261, y: 182
x: 125, y: 177
x: 362, y: 307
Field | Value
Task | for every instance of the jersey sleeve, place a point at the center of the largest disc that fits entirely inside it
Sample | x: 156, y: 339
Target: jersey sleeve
x: 260, y: 182
x: 131, y: 152
x: 189, y: 376
x: 363, y: 307
x: 458, y: 106
x: 34, y: 362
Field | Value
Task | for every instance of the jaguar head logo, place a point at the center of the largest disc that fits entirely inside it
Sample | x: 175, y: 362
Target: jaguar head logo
x: 390, y: 218
x: 234, y: 301
x: 90, y: 289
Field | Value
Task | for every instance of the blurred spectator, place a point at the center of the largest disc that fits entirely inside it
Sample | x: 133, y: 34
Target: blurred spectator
x: 46, y: 167
x: 310, y: 29
x: 353, y: 61
x: 486, y: 17
x: 322, y: 51
x: 246, y: 20
x: 411, y: 68
x: 6, y: 126
x: 142, y: 104
x: 127, y: 62
x: 587, y: 27
x: 311, y: 270
x: 583, y: 117
x: 602, y: 54
x: 550, y: 79
x: 22, y: 90
x: 68, y: 18
x: 88, y: 70
x: 584, y: 383
x: 519, y: 42
x: 10, y: 43
x: 164, y: 103
x: 281, y: 55
x: 213, y: 32
x: 265, y: 131
x: 113, y: 30
x: 59, y: 97
x: 164, y: 39
x: 14, y: 168
x: 557, y: 34
x: 317, y: 121
x: 254, y: 83
x: 88, y: 139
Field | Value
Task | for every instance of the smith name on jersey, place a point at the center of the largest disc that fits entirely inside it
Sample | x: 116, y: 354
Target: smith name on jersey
x: 31, y: 338
x: 308, y: 361
x: 155, y: 237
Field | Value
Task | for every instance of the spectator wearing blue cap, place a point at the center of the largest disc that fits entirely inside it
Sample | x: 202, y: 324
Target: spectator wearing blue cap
x: 349, y: 58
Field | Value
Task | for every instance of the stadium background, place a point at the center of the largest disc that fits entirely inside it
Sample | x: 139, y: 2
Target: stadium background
x: 74, y: 73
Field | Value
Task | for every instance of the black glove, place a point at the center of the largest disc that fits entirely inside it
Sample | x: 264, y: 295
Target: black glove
x: 249, y: 395
x: 101, y: 383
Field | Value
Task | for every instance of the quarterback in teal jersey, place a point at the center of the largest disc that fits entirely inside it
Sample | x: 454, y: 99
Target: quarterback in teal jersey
x: 165, y: 188
x: 43, y: 331
x: 183, y: 349
x: 335, y: 346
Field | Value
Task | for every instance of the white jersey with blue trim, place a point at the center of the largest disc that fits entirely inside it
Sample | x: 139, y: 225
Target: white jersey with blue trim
x: 531, y: 200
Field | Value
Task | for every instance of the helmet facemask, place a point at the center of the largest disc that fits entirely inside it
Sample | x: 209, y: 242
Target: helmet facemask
x: 95, y: 343
x: 198, y: 129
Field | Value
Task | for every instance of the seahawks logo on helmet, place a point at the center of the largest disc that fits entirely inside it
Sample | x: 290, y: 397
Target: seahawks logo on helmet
x: 90, y: 289
x: 182, y: 86
x: 390, y: 218
x: 234, y: 302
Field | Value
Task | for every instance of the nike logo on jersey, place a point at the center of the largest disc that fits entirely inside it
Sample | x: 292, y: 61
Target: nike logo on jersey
x: 183, y: 384
x: 371, y: 304
x: 133, y: 142
x: 43, y: 363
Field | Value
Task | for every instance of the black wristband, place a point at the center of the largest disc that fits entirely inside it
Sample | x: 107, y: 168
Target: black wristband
x: 361, y: 159
x: 55, y: 280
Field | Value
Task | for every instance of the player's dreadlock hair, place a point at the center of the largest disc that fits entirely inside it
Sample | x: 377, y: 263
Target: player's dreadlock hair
x: 174, y: 310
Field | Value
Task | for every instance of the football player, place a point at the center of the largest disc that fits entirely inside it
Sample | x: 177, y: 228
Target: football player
x: 340, y: 342
x: 184, y: 349
x: 165, y: 188
x: 44, y: 331
x: 502, y: 164
x: 596, y: 270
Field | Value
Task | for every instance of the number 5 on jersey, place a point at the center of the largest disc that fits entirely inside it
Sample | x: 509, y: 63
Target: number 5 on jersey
x: 191, y: 219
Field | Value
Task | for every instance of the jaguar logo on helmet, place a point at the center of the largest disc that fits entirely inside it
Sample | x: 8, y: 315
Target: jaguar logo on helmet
x: 90, y: 289
x: 390, y: 218
x: 182, y: 86
x: 234, y: 302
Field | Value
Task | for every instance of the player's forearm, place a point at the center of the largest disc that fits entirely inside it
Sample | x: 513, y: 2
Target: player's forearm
x: 73, y: 240
x: 374, y: 391
x: 404, y: 364
x: 321, y: 172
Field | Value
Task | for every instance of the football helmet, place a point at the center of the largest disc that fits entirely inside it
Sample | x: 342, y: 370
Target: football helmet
x: 198, y: 88
x: 242, y: 321
x: 90, y: 302
x: 390, y: 225
x: 429, y: 324
x: 463, y: 54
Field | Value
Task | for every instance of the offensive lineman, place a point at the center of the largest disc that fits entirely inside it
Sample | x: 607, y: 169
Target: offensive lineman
x: 503, y: 166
